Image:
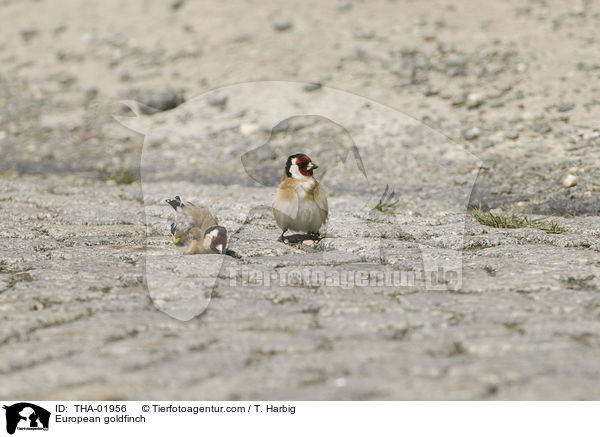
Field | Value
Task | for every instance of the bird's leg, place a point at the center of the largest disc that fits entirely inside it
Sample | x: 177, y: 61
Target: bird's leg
x: 314, y: 236
x: 281, y: 237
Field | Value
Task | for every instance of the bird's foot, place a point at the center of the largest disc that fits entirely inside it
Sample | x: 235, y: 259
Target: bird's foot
x: 315, y: 236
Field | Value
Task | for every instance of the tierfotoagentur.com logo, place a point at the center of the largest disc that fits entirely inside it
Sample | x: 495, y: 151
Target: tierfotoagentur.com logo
x: 346, y: 279
x: 25, y: 416
x: 378, y: 217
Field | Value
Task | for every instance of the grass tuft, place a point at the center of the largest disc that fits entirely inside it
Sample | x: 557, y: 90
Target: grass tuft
x: 513, y: 221
x: 125, y: 177
x: 388, y: 203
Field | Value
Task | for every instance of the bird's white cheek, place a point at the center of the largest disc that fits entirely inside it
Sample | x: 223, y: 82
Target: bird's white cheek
x: 295, y: 172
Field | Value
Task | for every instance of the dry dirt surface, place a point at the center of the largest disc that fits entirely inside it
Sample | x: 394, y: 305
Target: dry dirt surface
x: 107, y: 108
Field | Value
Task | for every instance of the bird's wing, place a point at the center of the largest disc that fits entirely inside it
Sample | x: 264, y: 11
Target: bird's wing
x: 321, y: 200
x: 286, y: 203
x: 203, y: 220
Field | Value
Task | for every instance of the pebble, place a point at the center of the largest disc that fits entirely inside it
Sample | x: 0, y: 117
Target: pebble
x: 282, y: 24
x: 456, y: 61
x: 512, y: 135
x: 308, y: 242
x: 471, y: 134
x: 59, y: 29
x: 340, y: 382
x: 312, y: 86
x: 474, y: 100
x: 125, y: 76
x: 570, y: 181
x: 65, y: 79
x: 219, y: 101
x: 177, y: 4
x: 566, y: 107
x: 157, y: 138
x: 28, y: 34
x: 247, y: 129
x: 156, y: 102
x: 542, y: 129
x: 88, y: 38
x: 90, y: 94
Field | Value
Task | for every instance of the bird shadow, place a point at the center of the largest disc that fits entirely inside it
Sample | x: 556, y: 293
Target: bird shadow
x: 299, y: 238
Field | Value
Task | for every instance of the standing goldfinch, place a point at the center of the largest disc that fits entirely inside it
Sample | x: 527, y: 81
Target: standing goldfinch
x: 196, y: 229
x: 300, y: 203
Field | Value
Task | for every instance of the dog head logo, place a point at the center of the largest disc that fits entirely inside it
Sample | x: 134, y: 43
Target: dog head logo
x: 236, y: 139
x: 26, y: 416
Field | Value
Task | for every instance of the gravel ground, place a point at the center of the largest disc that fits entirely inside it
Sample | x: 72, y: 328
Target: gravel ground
x: 108, y: 109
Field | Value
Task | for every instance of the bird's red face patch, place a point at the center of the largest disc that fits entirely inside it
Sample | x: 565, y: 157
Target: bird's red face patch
x: 305, y: 165
x: 299, y: 166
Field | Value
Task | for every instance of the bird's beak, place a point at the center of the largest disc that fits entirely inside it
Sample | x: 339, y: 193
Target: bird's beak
x: 312, y: 166
x: 220, y: 248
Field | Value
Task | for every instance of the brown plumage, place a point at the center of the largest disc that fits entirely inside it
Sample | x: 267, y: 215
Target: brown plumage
x: 300, y: 203
x: 196, y: 229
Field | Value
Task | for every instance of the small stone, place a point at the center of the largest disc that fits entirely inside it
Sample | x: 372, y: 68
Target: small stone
x: 474, y: 100
x: 28, y: 34
x: 458, y: 71
x: 570, y: 181
x: 471, y: 134
x: 177, y: 4
x: 90, y: 94
x: 157, y: 102
x: 157, y: 138
x: 125, y: 76
x: 184, y: 117
x: 242, y: 37
x: 65, y: 79
x: 340, y: 382
x: 456, y: 61
x: 219, y: 101
x: 59, y: 29
x: 308, y: 242
x: 247, y: 129
x: 520, y: 68
x: 566, y: 107
x: 88, y: 38
x: 12, y: 127
x: 282, y: 24
x: 512, y: 135
x: 312, y: 86
x: 542, y: 128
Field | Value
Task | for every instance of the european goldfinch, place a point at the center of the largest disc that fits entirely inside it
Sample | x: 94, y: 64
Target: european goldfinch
x: 300, y: 203
x: 196, y: 229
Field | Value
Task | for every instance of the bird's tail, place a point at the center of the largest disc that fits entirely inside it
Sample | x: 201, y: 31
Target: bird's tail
x: 175, y: 203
